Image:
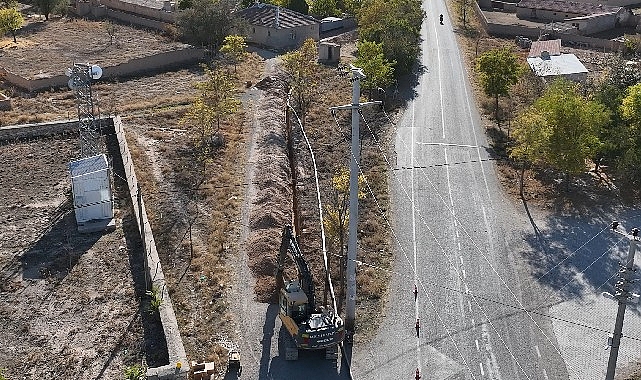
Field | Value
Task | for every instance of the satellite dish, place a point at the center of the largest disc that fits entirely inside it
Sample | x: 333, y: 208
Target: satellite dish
x: 96, y: 72
x: 71, y: 84
x: 68, y: 71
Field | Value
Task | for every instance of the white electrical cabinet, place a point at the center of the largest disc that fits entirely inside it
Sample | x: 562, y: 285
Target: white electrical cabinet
x: 91, y: 185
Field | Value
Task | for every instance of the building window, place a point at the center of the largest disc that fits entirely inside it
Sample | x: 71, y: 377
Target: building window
x: 253, y: 30
x: 269, y: 33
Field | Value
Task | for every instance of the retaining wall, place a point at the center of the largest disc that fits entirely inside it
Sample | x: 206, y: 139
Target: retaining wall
x: 153, y: 63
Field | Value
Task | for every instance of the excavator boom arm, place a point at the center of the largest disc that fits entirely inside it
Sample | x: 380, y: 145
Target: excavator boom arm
x: 289, y: 244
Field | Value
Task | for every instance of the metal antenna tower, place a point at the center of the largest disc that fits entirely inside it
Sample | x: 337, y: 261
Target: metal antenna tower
x: 91, y: 143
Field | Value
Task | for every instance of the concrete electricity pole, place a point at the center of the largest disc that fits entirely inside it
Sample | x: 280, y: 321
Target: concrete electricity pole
x: 623, y: 295
x: 356, y: 74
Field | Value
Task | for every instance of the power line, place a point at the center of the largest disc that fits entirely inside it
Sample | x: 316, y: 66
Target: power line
x: 450, y: 261
x: 320, y: 207
x: 532, y: 310
x: 481, y: 252
x: 575, y: 251
x: 410, y: 263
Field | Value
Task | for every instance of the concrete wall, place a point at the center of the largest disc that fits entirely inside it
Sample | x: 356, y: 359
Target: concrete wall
x: 544, y: 15
x: 30, y: 131
x: 329, y: 52
x: 282, y: 39
x: 614, y: 3
x: 158, y: 62
x: 115, y: 14
x: 83, y: 8
x: 595, y: 24
x: 175, y: 346
x: 585, y: 25
x: 534, y: 33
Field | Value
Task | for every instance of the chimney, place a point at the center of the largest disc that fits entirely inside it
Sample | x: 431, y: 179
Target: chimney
x: 277, y: 16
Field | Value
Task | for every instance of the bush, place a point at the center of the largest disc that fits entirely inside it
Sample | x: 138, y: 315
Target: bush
x: 135, y: 372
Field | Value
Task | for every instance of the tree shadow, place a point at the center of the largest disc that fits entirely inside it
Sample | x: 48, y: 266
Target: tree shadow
x: 575, y: 253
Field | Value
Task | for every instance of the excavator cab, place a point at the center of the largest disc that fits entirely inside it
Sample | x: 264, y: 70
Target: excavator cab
x: 293, y: 302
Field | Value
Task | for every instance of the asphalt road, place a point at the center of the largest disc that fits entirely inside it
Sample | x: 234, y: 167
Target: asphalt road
x: 455, y: 241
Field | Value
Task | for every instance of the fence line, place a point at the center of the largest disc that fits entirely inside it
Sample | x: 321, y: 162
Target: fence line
x: 153, y: 268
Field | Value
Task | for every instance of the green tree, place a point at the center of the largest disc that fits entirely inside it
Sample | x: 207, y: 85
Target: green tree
x: 561, y: 129
x: 299, y: 6
x: 208, y: 22
x: 610, y: 91
x: 499, y: 69
x: 629, y: 165
x: 46, y: 7
x: 215, y: 101
x: 336, y: 217
x: 302, y: 68
x: 234, y: 47
x: 324, y: 8
x: 397, y: 25
x: 10, y: 21
x: 379, y: 72
x: 531, y: 134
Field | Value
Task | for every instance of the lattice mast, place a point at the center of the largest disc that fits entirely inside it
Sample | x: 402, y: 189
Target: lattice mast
x: 91, y: 142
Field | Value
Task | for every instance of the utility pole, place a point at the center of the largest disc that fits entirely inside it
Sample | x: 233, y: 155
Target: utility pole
x: 356, y: 74
x: 623, y: 295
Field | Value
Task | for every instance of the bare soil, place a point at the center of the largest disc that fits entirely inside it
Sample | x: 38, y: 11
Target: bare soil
x: 69, y: 304
x: 47, y: 48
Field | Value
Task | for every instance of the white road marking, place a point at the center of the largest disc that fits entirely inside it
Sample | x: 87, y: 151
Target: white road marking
x: 467, y: 290
x: 457, y: 234
x: 463, y: 272
x: 461, y: 258
x: 469, y: 110
x: 469, y: 306
x: 448, y: 144
x: 440, y: 82
x: 416, y: 304
x: 476, y: 341
x: 536, y: 348
x: 482, y: 371
x: 459, y: 246
x: 545, y: 374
